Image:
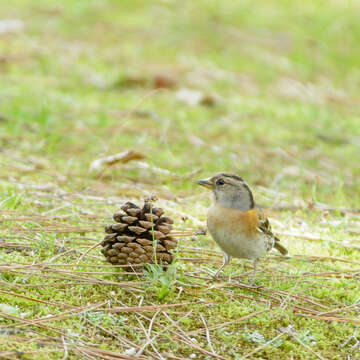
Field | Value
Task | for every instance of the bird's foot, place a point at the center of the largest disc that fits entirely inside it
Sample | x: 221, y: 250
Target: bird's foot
x: 213, y: 275
x: 249, y: 285
x: 254, y: 286
x: 253, y: 283
x: 201, y: 232
x: 216, y: 277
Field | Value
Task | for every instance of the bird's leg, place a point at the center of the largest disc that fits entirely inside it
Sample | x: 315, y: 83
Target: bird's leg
x: 226, y: 260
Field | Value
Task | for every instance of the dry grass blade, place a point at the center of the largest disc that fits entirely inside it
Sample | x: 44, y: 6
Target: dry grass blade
x: 326, y: 258
x: 73, y: 346
x: 262, y: 346
x: 56, y: 229
x: 62, y: 316
x: 39, y: 301
x: 220, y: 326
x: 183, y: 337
x: 11, y: 355
x: 333, y: 318
x: 312, y: 237
x: 88, y: 250
x: 66, y: 351
x: 207, y: 334
x: 339, y: 310
x: 290, y: 332
x: 319, y: 208
x: 150, y: 341
x: 151, y: 308
x: 123, y: 157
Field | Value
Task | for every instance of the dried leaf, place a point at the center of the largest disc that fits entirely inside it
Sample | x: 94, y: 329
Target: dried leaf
x: 131, y: 81
x: 157, y: 81
x: 141, y: 165
x: 164, y: 81
x: 123, y: 157
x: 196, y: 97
x: 190, y: 97
x: 11, y: 26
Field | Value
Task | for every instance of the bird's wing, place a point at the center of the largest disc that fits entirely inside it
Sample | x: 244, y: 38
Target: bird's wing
x: 265, y: 228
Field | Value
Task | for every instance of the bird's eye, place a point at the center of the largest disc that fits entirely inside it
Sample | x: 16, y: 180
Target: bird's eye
x: 220, y: 182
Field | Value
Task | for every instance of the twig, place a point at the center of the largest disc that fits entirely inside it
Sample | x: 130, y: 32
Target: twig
x: 151, y: 307
x: 88, y: 250
x: 152, y: 322
x: 55, y: 209
x: 263, y: 346
x: 318, y: 238
x: 352, y: 337
x: 161, y: 332
x: 325, y: 258
x: 338, y: 310
x: 185, y: 338
x: 207, y: 334
x: 67, y: 252
x: 65, y: 347
x: 57, y: 304
x: 148, y: 340
x: 290, y: 332
x: 229, y: 322
x: 316, y: 207
x: 332, y: 318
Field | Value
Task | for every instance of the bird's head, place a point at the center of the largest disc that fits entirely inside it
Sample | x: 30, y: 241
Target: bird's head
x: 230, y: 191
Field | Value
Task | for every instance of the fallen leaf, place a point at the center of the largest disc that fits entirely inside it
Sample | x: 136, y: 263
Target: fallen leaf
x: 5, y: 308
x: 209, y: 100
x: 195, y: 97
x: 131, y: 81
x: 154, y: 169
x: 123, y: 157
x: 190, y: 97
x: 12, y: 310
x: 164, y: 81
x: 10, y: 26
x: 157, y: 81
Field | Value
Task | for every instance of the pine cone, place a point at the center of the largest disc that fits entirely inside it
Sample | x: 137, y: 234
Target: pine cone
x: 140, y: 235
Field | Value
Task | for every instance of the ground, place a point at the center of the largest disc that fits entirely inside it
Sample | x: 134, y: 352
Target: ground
x: 268, y: 90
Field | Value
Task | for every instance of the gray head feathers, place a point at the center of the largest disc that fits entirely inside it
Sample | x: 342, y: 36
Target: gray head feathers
x: 232, y: 191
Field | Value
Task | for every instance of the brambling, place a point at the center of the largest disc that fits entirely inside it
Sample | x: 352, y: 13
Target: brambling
x: 236, y: 224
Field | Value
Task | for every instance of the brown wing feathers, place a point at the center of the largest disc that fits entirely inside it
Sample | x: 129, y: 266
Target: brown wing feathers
x: 265, y: 227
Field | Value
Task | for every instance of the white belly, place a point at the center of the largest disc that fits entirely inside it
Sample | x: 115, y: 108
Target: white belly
x: 239, y: 245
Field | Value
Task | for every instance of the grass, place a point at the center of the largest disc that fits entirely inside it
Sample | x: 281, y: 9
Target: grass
x: 78, y: 84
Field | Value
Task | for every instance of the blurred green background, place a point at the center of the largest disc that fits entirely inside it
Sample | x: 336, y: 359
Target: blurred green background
x: 277, y: 86
x: 266, y: 89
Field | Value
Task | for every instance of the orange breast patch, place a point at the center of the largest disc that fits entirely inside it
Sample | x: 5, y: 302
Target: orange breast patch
x: 234, y: 220
x: 250, y: 221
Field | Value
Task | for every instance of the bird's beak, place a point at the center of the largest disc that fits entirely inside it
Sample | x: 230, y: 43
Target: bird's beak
x: 208, y: 183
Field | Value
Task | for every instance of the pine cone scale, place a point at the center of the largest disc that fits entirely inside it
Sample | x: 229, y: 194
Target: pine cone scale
x: 140, y: 235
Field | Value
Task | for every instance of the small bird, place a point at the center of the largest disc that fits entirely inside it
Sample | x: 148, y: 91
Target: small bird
x: 236, y: 224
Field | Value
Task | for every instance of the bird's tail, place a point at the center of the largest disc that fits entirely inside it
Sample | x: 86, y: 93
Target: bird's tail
x: 280, y: 248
